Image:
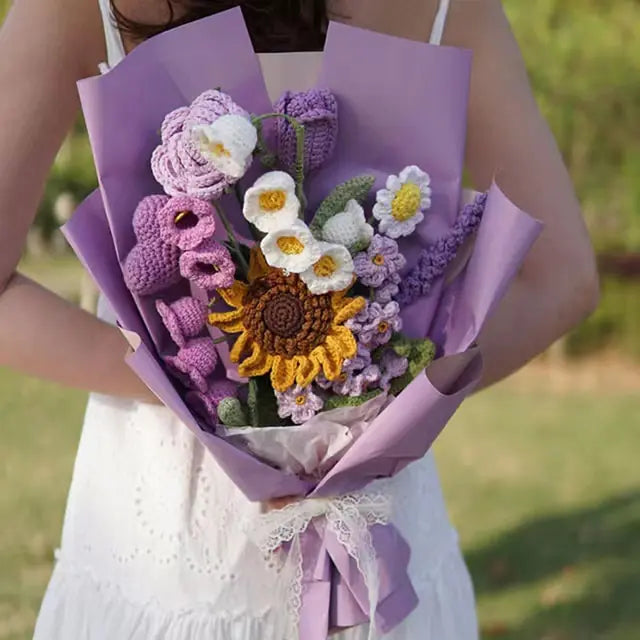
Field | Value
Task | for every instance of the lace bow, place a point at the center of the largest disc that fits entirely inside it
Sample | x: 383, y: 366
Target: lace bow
x: 348, y: 518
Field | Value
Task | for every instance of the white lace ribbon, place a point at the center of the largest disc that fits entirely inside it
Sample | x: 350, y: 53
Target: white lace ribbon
x: 348, y: 517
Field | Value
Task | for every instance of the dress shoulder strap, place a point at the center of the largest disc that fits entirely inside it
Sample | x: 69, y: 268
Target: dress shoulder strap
x: 115, y: 47
x: 440, y: 22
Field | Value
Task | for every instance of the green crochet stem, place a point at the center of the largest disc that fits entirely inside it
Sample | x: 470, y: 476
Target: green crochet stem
x: 232, y: 238
x: 299, y: 169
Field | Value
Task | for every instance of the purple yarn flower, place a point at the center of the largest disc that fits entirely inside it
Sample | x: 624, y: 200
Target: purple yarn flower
x: 210, y: 266
x: 389, y: 290
x: 185, y: 221
x: 360, y: 361
x: 178, y: 164
x: 393, y: 366
x: 205, y: 404
x: 184, y: 318
x: 151, y: 267
x: 375, y: 324
x: 435, y: 259
x: 299, y: 404
x: 194, y: 363
x: 145, y: 219
x: 317, y: 111
x: 379, y: 263
x: 351, y: 383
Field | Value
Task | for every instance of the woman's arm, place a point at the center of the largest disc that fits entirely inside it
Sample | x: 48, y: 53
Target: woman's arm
x: 45, y: 46
x: 509, y: 139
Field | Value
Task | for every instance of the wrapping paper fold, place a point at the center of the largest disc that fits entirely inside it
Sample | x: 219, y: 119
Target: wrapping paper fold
x: 400, y: 103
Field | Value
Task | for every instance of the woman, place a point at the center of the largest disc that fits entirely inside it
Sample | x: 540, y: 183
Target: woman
x: 154, y: 544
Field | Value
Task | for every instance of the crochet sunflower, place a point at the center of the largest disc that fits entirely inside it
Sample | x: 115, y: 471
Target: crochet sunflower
x: 285, y: 329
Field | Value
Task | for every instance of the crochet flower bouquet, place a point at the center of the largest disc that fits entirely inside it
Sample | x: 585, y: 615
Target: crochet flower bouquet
x: 303, y: 283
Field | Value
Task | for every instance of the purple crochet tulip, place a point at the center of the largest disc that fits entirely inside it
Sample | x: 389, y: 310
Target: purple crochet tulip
x: 375, y: 324
x: 145, y: 218
x: 210, y: 266
x: 205, y: 404
x: 393, y: 366
x: 379, y: 263
x: 185, y: 222
x: 185, y: 318
x: 317, y: 111
x: 151, y: 267
x: 194, y: 362
x: 178, y: 164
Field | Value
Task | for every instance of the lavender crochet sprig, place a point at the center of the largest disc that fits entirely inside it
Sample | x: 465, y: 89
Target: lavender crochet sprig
x: 435, y: 259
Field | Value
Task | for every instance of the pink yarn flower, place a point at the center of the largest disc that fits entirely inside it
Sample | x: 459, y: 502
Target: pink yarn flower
x: 209, y: 265
x: 185, y: 221
x: 145, y: 218
x: 194, y: 363
x: 205, y: 404
x: 178, y: 164
x: 151, y: 267
x: 185, y: 318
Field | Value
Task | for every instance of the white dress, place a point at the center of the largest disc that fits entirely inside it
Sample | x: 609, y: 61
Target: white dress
x: 153, y: 546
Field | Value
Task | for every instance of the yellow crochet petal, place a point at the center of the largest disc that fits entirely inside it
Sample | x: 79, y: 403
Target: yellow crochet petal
x: 239, y: 347
x: 346, y: 341
x: 257, y: 364
x: 308, y: 369
x: 330, y: 358
x: 283, y: 373
x: 227, y: 321
x: 258, y: 266
x: 347, y: 308
x: 234, y: 295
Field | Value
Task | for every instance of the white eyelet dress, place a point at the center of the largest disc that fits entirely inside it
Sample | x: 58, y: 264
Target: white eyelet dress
x: 154, y: 544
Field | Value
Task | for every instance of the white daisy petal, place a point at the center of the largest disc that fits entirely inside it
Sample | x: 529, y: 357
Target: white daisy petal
x: 228, y: 143
x: 332, y: 271
x: 292, y: 248
x: 271, y: 203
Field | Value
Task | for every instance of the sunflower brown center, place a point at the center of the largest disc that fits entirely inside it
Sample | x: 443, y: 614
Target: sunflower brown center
x: 284, y: 317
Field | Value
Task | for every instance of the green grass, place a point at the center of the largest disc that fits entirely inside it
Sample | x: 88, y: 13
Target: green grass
x: 544, y: 488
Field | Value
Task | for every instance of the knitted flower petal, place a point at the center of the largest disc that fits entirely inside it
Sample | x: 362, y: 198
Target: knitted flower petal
x: 300, y: 404
x: 271, y: 203
x: 145, y: 218
x: 184, y: 318
x: 349, y: 228
x: 333, y: 271
x: 205, y: 404
x: 151, y: 267
x: 228, y: 143
x: 292, y: 248
x: 210, y: 266
x: 194, y: 362
x: 186, y: 222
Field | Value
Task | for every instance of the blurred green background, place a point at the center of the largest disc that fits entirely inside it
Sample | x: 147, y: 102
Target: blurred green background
x: 541, y: 472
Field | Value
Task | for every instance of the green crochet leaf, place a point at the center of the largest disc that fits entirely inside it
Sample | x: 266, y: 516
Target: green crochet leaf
x: 419, y: 352
x: 263, y: 406
x: 355, y: 189
x: 231, y: 413
x: 337, y: 402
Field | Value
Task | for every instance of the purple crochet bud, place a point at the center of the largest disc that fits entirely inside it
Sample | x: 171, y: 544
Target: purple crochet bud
x: 151, y: 267
x: 184, y: 318
x: 194, y: 362
x: 205, y: 404
x: 317, y: 111
x: 186, y: 221
x: 210, y: 266
x: 145, y: 218
x: 178, y: 164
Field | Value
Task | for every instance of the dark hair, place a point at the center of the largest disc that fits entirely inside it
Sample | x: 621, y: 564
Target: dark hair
x: 274, y: 25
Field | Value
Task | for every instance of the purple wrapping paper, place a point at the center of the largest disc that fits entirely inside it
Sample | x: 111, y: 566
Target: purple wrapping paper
x: 388, y: 120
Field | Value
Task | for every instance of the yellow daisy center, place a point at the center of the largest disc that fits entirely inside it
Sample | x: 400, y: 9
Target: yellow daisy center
x: 325, y: 267
x: 378, y: 260
x: 407, y: 202
x: 383, y: 327
x: 301, y: 400
x: 273, y: 200
x: 290, y: 245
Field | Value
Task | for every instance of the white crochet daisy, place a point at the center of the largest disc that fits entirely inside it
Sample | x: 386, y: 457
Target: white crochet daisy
x: 292, y: 248
x: 349, y: 228
x: 228, y: 143
x: 271, y: 203
x: 401, y: 206
x: 333, y: 271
